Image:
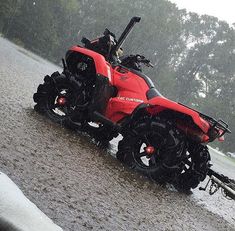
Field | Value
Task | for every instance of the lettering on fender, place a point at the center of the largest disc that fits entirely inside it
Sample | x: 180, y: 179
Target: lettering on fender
x: 131, y: 99
x: 123, y: 78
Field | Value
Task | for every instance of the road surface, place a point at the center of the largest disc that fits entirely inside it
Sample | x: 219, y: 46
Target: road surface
x: 78, y: 185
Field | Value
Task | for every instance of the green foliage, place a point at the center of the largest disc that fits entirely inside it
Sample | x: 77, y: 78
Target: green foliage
x: 194, y: 55
x: 8, y: 10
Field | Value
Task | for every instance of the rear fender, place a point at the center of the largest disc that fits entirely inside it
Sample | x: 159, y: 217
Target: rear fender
x: 159, y: 104
x: 102, y: 67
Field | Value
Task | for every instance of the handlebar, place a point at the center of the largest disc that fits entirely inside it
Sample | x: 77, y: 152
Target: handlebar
x: 134, y: 62
x: 142, y: 59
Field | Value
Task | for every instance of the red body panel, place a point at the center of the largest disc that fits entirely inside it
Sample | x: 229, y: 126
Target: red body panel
x: 119, y: 108
x: 131, y: 92
x: 168, y: 104
x: 130, y: 85
x: 101, y: 65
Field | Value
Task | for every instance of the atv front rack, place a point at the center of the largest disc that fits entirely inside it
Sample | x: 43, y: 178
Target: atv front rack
x: 218, y: 181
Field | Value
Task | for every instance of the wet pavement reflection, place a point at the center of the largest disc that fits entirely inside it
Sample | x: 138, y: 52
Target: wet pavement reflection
x: 77, y: 184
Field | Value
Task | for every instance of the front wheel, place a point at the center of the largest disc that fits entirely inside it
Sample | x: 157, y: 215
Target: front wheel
x: 59, y: 98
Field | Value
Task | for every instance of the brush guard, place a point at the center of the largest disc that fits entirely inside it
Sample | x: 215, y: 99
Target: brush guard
x: 219, y: 181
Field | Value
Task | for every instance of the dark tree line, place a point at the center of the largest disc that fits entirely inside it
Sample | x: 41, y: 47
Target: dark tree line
x: 194, y: 55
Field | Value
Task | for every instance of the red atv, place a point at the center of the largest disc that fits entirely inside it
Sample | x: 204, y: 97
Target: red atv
x: 101, y: 91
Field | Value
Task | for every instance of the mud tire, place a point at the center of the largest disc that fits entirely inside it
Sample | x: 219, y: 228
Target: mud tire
x: 191, y: 177
x: 46, y: 95
x: 183, y: 163
x: 164, y: 137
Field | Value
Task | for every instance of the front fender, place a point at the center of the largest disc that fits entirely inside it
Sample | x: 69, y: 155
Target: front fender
x: 102, y: 66
x: 166, y: 104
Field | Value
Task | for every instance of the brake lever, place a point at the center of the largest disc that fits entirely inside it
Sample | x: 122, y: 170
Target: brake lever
x: 150, y: 64
x: 142, y: 59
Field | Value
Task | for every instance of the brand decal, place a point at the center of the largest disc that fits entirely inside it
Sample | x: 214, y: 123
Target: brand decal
x: 123, y: 78
x: 131, y: 99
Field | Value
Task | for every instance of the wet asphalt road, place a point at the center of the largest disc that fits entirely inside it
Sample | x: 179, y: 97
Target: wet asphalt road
x: 78, y: 185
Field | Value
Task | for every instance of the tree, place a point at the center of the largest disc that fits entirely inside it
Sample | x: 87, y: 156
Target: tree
x: 194, y: 55
x: 8, y: 10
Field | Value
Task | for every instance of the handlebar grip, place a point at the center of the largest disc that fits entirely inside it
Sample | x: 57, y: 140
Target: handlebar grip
x: 136, y: 19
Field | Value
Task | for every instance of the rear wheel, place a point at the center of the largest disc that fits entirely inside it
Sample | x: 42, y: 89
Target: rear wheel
x: 195, y: 167
x: 160, y: 151
x: 58, y: 98
x: 154, y: 148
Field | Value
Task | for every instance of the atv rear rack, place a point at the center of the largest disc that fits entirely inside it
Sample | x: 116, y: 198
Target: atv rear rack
x: 220, y: 181
x: 219, y: 124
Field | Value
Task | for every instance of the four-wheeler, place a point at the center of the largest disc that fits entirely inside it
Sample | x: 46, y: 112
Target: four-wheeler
x: 102, y: 91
